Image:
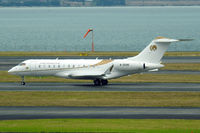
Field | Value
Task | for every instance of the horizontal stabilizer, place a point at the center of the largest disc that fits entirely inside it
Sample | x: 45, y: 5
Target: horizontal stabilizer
x: 168, y: 40
x: 185, y: 39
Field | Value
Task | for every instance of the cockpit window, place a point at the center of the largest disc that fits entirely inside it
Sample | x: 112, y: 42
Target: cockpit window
x: 22, y: 64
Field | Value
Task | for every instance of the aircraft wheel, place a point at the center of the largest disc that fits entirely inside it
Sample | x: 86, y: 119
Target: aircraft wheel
x: 104, y: 82
x: 23, y: 83
x: 97, y: 82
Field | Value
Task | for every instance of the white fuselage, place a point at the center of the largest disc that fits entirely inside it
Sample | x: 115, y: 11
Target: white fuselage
x: 82, y: 68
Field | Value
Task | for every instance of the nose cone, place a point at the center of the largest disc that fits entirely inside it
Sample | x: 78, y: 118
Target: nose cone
x: 11, y: 70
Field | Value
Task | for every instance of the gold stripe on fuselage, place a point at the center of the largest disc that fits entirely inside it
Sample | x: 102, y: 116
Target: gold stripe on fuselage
x: 103, y: 62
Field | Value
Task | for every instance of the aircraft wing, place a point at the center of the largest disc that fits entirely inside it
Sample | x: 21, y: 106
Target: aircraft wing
x: 89, y: 73
x: 86, y: 76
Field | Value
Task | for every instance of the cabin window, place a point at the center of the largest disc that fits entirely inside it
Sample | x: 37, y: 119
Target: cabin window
x: 68, y: 66
x: 49, y: 66
x: 22, y: 64
x: 58, y: 66
x: 125, y: 64
x: 39, y: 66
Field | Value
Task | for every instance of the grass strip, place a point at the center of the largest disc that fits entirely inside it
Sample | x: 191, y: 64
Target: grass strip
x: 98, y: 53
x: 182, y: 66
x: 162, y: 78
x: 101, y: 125
x: 137, y: 99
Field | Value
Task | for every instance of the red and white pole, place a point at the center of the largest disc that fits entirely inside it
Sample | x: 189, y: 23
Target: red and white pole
x: 92, y: 37
x: 92, y: 40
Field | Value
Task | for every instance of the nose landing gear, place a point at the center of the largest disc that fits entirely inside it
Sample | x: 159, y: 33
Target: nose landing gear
x: 22, y: 82
x: 99, y: 82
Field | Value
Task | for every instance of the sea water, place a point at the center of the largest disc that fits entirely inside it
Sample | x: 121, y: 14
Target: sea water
x: 115, y: 28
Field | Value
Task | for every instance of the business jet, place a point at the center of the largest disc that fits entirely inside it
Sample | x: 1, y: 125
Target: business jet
x: 98, y: 70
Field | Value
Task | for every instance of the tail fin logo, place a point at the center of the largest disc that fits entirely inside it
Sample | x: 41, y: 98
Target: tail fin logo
x: 153, y: 47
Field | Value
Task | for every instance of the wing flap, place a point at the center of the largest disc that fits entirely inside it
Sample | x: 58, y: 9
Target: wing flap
x: 85, y: 76
x: 90, y: 74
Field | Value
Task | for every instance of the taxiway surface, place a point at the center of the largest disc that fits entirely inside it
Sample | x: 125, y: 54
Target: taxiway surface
x: 8, y: 113
x: 122, y: 87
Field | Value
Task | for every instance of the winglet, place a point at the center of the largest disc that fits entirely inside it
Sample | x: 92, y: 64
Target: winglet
x: 108, y: 71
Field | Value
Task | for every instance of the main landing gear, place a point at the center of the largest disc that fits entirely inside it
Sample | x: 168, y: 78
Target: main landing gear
x: 99, y: 82
x: 22, y: 82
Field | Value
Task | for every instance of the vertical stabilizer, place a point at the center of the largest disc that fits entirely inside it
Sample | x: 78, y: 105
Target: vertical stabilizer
x: 154, y: 52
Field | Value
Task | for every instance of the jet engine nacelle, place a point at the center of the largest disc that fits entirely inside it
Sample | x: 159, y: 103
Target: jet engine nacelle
x: 136, y: 66
x: 130, y: 66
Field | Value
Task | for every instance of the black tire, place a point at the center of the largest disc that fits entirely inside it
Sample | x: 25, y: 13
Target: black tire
x: 97, y: 82
x: 23, y: 83
x: 104, y: 82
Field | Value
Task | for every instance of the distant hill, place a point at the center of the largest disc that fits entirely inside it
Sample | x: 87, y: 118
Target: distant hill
x: 79, y: 3
x: 163, y: 2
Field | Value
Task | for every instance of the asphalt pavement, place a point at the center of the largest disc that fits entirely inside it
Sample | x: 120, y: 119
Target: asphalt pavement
x: 122, y: 87
x: 11, y: 113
